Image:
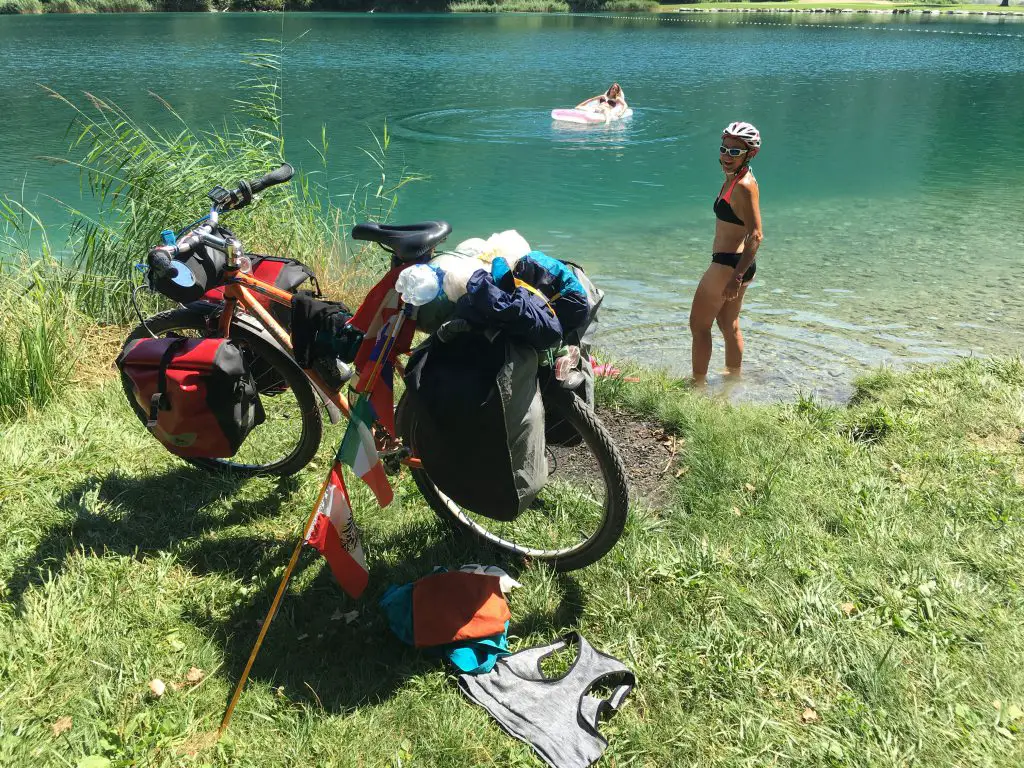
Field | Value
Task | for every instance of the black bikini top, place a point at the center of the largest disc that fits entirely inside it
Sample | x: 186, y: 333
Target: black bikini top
x: 722, y: 207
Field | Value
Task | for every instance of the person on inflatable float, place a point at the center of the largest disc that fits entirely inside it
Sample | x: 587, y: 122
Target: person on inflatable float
x: 738, y: 235
x: 612, y: 102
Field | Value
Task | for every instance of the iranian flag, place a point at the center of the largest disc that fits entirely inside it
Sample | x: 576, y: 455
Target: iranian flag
x: 334, y: 535
x: 360, y: 452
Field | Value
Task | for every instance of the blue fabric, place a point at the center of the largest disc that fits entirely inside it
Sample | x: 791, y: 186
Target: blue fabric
x: 552, y: 278
x: 500, y: 271
x: 397, y: 605
x: 475, y: 657
x: 522, y: 315
x: 562, y: 278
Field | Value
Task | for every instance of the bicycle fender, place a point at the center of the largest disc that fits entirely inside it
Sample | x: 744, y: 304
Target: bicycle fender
x: 253, y: 326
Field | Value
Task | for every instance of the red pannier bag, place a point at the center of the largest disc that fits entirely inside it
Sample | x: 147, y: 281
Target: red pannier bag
x: 198, y: 393
x: 286, y: 274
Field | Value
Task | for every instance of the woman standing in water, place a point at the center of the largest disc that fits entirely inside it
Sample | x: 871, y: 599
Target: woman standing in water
x: 737, y: 237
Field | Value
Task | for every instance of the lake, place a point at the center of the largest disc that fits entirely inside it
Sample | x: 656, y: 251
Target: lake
x: 891, y: 175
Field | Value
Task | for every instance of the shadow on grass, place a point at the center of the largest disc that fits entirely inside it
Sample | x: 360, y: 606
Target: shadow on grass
x: 138, y: 516
x: 313, y: 656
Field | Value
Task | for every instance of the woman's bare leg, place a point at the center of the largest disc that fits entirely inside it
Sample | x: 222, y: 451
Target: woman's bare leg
x: 729, y: 323
x: 707, y: 303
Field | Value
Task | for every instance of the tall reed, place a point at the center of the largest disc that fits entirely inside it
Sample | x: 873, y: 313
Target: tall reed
x: 147, y: 179
x: 39, y: 330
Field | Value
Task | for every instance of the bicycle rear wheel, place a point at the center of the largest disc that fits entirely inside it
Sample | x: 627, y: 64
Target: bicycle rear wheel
x: 581, y: 511
x: 290, y: 436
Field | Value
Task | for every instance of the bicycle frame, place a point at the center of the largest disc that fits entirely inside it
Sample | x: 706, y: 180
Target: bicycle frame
x: 238, y: 291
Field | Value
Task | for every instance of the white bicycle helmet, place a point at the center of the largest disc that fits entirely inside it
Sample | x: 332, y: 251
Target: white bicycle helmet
x: 745, y: 132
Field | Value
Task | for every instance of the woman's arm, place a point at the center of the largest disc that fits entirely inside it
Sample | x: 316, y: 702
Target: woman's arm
x: 748, y: 207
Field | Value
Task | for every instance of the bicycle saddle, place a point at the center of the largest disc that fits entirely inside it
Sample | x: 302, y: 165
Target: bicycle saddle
x: 408, y: 242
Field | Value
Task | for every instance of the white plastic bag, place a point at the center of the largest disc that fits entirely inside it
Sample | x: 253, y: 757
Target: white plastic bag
x: 509, y: 245
x: 418, y: 284
x: 472, y: 247
x: 456, y: 271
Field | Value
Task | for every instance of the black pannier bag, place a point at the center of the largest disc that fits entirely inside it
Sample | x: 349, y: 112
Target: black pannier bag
x: 198, y: 393
x: 478, y: 422
x: 320, y: 329
x: 207, y: 268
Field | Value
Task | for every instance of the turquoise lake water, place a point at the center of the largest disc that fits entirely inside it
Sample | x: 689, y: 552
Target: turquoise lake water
x: 891, y: 177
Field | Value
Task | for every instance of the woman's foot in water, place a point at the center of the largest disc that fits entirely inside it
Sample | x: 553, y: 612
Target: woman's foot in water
x: 732, y: 374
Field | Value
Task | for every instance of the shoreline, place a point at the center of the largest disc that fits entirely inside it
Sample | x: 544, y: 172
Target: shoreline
x: 1012, y: 13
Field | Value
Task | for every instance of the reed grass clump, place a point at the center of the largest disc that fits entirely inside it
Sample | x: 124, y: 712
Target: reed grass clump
x: 38, y: 334
x: 147, y: 179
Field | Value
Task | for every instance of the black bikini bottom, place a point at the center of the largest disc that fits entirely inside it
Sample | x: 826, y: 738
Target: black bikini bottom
x: 731, y: 260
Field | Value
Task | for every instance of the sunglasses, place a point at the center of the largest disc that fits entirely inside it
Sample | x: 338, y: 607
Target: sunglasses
x: 732, y: 151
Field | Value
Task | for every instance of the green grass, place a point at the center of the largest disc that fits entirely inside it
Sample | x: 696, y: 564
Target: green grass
x: 20, y: 6
x: 41, y: 332
x: 38, y: 342
x: 830, y: 586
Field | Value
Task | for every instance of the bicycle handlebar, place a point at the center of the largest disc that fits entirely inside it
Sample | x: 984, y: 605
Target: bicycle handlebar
x: 161, y: 256
x: 241, y: 196
x: 279, y: 175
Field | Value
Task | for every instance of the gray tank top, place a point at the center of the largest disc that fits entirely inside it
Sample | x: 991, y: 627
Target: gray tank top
x: 558, y: 717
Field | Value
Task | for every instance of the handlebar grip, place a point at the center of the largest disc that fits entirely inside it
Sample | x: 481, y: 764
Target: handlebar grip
x: 277, y: 176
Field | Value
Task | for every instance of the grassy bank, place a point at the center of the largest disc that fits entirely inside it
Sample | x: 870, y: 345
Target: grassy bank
x: 826, y: 586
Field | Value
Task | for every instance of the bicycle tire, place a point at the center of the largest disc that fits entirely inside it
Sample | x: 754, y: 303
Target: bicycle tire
x: 192, y: 318
x: 559, y: 405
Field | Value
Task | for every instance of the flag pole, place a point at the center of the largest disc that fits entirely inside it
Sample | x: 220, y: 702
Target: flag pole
x: 272, y: 612
x: 226, y: 720
x: 388, y: 345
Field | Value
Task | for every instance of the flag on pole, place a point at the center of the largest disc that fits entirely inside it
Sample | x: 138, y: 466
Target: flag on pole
x: 359, y: 451
x: 334, y: 535
x: 374, y: 317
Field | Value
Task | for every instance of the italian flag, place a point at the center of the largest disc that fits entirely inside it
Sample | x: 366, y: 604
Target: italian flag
x: 360, y: 452
x: 334, y: 535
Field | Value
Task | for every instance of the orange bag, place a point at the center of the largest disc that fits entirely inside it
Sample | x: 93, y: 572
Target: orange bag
x: 453, y: 606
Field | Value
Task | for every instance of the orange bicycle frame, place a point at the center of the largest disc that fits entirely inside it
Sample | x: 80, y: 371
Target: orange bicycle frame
x: 238, y: 290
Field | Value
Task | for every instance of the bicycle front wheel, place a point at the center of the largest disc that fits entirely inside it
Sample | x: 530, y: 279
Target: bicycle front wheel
x: 580, y: 513
x: 290, y: 436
